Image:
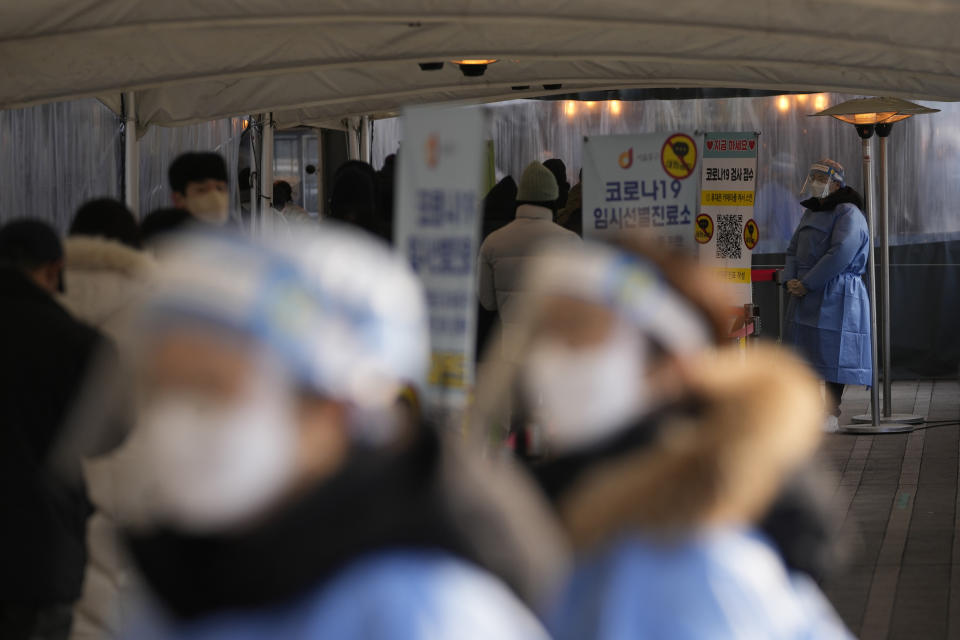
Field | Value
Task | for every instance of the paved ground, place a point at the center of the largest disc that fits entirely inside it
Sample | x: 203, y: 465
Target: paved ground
x: 899, y: 494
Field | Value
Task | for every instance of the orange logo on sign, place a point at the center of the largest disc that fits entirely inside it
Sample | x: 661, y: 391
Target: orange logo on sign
x: 751, y: 234
x: 626, y: 159
x: 704, y: 229
x: 433, y: 151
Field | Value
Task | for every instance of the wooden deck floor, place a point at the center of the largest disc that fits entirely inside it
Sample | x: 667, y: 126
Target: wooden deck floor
x: 898, y: 494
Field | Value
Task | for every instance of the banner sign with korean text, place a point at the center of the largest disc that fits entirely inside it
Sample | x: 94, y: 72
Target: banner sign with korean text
x: 726, y: 231
x: 648, y: 182
x: 437, y: 226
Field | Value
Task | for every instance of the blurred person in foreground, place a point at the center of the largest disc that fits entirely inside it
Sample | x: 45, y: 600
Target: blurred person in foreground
x: 664, y: 454
x: 828, y: 313
x: 281, y: 497
x: 200, y: 186
x: 46, y: 354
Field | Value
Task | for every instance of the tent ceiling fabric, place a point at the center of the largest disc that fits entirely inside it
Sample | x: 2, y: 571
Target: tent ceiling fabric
x: 315, y: 63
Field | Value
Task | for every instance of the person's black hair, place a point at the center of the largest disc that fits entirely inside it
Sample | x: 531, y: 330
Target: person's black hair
x: 559, y: 171
x: 355, y: 198
x: 107, y: 218
x: 161, y: 222
x: 196, y: 166
x: 355, y: 165
x: 282, y: 194
x: 499, y: 206
x: 28, y: 244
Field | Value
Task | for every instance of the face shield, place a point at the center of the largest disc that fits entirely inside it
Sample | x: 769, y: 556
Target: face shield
x: 575, y: 367
x: 337, y: 317
x: 818, y: 181
x: 817, y: 185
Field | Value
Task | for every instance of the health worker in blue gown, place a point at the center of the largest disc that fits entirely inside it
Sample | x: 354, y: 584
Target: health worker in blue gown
x: 828, y: 314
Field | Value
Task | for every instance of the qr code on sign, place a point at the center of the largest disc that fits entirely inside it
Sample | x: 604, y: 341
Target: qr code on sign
x: 729, y: 232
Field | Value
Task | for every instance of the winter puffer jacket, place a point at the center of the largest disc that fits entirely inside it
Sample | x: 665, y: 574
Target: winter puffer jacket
x: 504, y: 254
x: 105, y: 281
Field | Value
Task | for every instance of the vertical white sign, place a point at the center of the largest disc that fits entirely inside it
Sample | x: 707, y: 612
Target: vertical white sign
x: 647, y: 182
x: 437, y: 228
x: 725, y: 227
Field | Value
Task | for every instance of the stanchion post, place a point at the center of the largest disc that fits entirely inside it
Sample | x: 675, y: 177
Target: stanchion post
x: 872, y: 423
x: 883, y: 131
x: 866, y: 133
x: 869, y: 115
x: 131, y: 154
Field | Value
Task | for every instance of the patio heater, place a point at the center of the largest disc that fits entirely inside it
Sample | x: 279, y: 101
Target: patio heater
x: 869, y: 116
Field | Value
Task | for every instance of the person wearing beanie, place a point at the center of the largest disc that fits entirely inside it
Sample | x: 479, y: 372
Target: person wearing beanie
x: 828, y: 317
x: 505, y: 252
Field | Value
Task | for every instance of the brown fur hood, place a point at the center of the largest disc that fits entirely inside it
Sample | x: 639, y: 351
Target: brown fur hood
x: 761, y: 421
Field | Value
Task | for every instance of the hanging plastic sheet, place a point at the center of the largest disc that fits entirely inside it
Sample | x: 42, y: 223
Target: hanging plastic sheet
x: 161, y: 145
x: 924, y: 151
x: 54, y: 157
x: 924, y: 204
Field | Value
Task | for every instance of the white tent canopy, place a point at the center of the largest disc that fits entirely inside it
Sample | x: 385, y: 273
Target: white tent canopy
x: 317, y: 62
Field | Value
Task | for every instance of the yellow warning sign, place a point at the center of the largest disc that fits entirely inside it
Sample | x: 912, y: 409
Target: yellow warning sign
x: 679, y: 156
x: 751, y: 234
x: 704, y: 229
x: 738, y: 276
x: 727, y: 198
x: 447, y: 370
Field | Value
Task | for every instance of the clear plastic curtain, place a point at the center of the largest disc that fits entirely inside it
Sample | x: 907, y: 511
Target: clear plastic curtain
x: 924, y: 152
x: 55, y: 157
x: 161, y: 145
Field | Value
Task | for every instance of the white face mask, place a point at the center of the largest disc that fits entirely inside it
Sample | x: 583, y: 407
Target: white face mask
x: 213, y: 466
x: 585, y: 395
x: 211, y: 206
x: 815, y: 188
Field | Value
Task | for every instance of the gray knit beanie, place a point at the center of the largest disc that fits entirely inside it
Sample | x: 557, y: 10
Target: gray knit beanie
x: 537, y: 184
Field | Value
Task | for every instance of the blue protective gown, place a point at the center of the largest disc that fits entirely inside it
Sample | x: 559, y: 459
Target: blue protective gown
x: 393, y: 595
x: 830, y: 326
x: 723, y: 584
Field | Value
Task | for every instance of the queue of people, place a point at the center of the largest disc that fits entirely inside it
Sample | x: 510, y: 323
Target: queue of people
x: 212, y: 435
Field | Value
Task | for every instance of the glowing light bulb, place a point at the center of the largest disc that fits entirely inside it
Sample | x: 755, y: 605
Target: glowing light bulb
x: 801, y: 98
x: 783, y: 103
x: 570, y: 108
x: 591, y: 104
x: 615, y: 107
x: 820, y: 102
